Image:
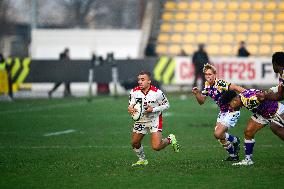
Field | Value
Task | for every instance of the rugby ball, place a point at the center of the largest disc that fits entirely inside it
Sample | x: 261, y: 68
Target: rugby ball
x: 137, y: 115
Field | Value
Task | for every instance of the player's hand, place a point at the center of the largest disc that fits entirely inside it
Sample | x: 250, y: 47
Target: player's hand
x: 195, y: 90
x: 131, y: 110
x: 260, y: 96
x: 149, y: 109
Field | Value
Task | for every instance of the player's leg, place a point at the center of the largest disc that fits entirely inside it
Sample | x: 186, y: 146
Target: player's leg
x: 277, y: 125
x: 230, y: 143
x: 138, y: 134
x: 252, y: 128
x: 157, y: 142
x: 279, y: 131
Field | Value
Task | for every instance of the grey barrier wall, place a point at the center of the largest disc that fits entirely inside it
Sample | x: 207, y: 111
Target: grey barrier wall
x: 78, y: 70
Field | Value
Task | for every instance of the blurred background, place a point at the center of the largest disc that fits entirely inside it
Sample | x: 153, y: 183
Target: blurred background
x: 110, y: 41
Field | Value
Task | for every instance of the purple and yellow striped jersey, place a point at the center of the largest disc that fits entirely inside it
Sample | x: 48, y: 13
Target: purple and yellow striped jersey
x: 215, y: 92
x: 266, y: 109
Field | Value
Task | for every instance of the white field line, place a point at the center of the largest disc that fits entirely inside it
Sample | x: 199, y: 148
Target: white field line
x: 120, y: 147
x: 59, y: 133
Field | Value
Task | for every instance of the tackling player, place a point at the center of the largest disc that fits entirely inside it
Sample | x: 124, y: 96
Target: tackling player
x: 154, y: 102
x: 227, y: 117
x: 265, y: 112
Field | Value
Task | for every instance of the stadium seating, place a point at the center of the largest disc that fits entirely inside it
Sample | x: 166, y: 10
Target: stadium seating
x: 221, y: 25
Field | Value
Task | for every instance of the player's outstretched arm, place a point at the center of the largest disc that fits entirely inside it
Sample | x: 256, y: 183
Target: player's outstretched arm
x: 199, y: 97
x: 236, y: 88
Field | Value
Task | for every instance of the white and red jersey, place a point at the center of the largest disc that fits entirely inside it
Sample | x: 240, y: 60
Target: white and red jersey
x: 154, y: 98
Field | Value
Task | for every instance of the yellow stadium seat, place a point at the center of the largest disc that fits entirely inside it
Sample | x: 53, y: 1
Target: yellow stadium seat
x: 264, y: 50
x: 245, y: 5
x: 214, y: 38
x: 207, y: 5
x: 189, y: 38
x: 227, y: 38
x: 162, y: 49
x: 241, y: 37
x: 218, y: 16
x: 253, y: 49
x: 280, y: 17
x: 268, y: 27
x: 279, y: 28
x: 232, y: 5
x: 216, y: 27
x: 205, y: 16
x: 255, y: 27
x: 277, y: 48
x: 195, y: 5
x: 230, y: 27
x: 257, y: 5
x: 281, y: 6
x: 180, y: 16
x: 174, y: 49
x: 220, y: 5
x: 167, y: 16
x: 166, y: 27
x: 269, y: 16
x: 163, y: 38
x: 191, y: 27
x: 253, y: 38
x: 244, y: 16
x: 189, y: 49
x: 278, y: 38
x: 202, y: 38
x: 176, y: 38
x: 169, y: 5
x: 192, y: 16
x: 179, y: 27
x: 270, y: 5
x: 182, y: 5
x: 265, y: 38
x: 242, y: 27
x: 204, y: 27
x: 213, y: 49
x: 231, y: 16
x: 256, y: 16
x: 227, y: 50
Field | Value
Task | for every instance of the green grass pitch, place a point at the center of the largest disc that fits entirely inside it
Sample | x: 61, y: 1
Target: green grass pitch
x: 72, y: 143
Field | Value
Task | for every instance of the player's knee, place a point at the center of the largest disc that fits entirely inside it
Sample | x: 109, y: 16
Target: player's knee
x: 218, y: 135
x: 135, y: 144
x: 156, y: 147
x: 249, y: 134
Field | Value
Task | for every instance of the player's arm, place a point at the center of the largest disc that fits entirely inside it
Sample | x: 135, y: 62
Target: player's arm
x: 274, y: 93
x: 199, y: 96
x: 236, y: 88
x: 162, y: 101
x: 131, y: 103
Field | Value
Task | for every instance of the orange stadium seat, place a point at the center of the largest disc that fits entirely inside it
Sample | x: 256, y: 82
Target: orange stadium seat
x: 280, y: 17
x: 204, y: 27
x: 268, y: 27
x: 253, y: 49
x: 270, y: 5
x: 179, y: 27
x: 253, y: 38
x: 241, y: 37
x: 189, y: 49
x: 265, y: 38
x: 218, y: 16
x: 191, y: 27
x: 174, y: 49
x: 242, y: 27
x: 276, y: 48
x: 162, y: 49
x: 166, y: 27
x: 216, y: 27
x: 169, y: 5
x: 232, y: 5
x: 257, y: 5
x: 220, y: 5
x: 213, y: 49
x: 243, y: 16
x: 255, y: 27
x: 281, y: 6
x: 192, y: 16
x: 230, y: 27
x: 163, y: 38
x: 227, y: 50
x: 278, y: 38
x: 231, y: 16
x: 167, y: 16
x: 256, y: 16
x: 264, y: 50
x: 202, y: 38
x: 227, y: 38
x: 189, y: 38
x: 245, y: 5
x: 176, y: 38
x: 205, y: 16
x: 279, y: 27
x: 268, y: 16
x: 182, y: 5
x: 195, y: 5
x: 180, y: 16
x: 214, y: 38
x: 207, y: 5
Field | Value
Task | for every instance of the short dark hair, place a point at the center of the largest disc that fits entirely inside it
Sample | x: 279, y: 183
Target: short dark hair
x: 146, y: 73
x: 278, y: 58
x: 227, y: 97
